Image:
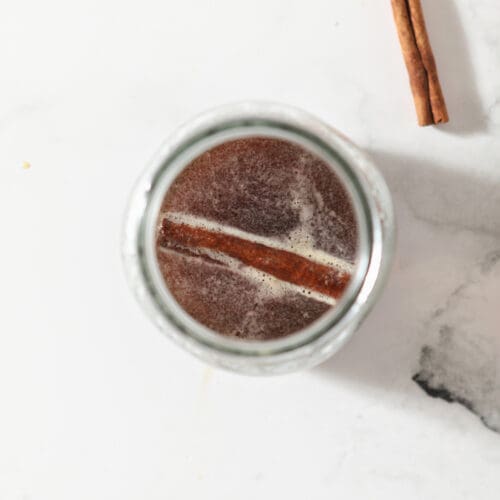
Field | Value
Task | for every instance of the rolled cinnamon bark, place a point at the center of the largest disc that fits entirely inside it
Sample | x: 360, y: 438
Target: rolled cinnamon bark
x: 419, y: 59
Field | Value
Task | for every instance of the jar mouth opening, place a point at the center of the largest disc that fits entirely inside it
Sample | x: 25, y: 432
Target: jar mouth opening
x: 191, y: 142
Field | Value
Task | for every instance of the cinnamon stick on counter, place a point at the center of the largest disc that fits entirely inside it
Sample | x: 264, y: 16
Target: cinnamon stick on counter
x: 417, y: 52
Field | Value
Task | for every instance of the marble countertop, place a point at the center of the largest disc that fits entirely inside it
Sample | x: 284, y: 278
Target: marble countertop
x: 96, y: 403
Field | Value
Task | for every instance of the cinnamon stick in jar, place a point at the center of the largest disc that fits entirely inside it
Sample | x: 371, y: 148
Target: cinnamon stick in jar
x: 420, y: 63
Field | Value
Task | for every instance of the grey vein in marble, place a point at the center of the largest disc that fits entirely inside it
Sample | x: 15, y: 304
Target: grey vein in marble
x: 461, y: 361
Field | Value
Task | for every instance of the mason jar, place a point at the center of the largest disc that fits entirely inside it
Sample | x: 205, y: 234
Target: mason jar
x: 371, y: 202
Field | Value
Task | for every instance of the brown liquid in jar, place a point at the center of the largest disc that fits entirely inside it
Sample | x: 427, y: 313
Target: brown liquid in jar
x: 257, y: 238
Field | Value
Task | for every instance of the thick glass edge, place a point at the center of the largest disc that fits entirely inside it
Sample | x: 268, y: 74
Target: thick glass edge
x: 331, y: 336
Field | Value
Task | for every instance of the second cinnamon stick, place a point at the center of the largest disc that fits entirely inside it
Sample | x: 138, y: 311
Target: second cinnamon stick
x: 419, y: 59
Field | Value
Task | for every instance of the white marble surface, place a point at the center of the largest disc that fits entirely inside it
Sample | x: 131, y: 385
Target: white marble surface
x: 95, y: 403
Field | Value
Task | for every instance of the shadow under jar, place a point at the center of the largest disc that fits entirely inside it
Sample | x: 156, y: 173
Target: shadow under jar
x: 258, y: 238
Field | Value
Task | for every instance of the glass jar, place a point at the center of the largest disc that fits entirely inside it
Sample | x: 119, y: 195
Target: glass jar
x: 371, y: 201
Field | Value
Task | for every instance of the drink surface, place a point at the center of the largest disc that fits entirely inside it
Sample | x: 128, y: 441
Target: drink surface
x: 257, y: 238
